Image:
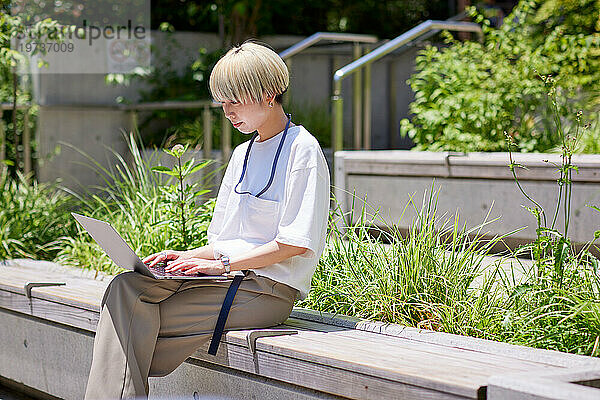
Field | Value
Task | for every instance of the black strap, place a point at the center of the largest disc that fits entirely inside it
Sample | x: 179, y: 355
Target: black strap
x: 220, y: 326
x: 273, y: 167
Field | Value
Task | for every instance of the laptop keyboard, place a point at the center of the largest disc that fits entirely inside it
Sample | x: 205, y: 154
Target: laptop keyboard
x: 159, y: 270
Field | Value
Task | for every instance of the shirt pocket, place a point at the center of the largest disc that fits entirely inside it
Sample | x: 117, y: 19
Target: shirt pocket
x: 260, y: 218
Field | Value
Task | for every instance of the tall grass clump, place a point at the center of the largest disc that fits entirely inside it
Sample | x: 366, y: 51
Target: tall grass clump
x: 138, y: 203
x: 557, y: 303
x: 424, y: 278
x: 31, y: 215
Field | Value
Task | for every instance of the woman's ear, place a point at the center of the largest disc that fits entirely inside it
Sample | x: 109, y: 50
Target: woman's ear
x: 270, y: 101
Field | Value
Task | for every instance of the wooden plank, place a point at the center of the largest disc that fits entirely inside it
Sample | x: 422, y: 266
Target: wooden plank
x: 410, y: 360
x: 51, y: 311
x: 393, y: 365
x: 65, y: 314
x: 323, y: 378
x: 384, y: 362
x: 80, y: 291
x: 353, y: 385
x: 482, y: 356
x: 362, y: 338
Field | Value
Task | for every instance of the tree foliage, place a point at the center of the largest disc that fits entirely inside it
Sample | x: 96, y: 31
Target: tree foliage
x: 468, y: 94
x: 244, y: 18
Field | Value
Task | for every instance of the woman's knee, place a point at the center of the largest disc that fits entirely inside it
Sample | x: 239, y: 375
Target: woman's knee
x: 118, y: 283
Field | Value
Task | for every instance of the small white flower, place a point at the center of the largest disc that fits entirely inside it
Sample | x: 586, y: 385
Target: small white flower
x: 178, y: 149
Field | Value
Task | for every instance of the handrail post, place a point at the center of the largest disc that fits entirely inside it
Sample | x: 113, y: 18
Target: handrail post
x: 357, y: 99
x: 337, y: 108
x: 207, y: 128
x: 367, y: 107
x: 392, y: 104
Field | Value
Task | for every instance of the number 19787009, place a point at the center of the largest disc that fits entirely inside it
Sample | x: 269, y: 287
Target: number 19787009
x: 46, y: 47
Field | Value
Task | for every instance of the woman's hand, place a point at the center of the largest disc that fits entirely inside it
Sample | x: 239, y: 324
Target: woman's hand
x: 164, y: 256
x: 195, y: 265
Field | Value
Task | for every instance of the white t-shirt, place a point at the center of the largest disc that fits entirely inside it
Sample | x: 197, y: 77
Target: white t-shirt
x: 294, y: 210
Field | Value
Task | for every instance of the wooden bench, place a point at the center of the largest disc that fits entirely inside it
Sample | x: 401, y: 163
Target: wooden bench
x: 47, y: 333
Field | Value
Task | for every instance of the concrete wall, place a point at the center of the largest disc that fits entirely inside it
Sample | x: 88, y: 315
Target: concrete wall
x: 56, y: 359
x: 96, y: 130
x: 474, y: 187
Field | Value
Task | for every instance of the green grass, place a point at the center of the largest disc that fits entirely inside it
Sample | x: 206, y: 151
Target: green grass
x: 424, y: 278
x: 135, y: 201
x: 434, y: 277
x: 431, y: 276
x: 31, y: 216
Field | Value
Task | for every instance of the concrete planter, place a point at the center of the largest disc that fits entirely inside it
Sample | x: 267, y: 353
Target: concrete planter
x: 471, y: 186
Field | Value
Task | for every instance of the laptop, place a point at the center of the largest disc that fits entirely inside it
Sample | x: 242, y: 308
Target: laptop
x: 119, y: 251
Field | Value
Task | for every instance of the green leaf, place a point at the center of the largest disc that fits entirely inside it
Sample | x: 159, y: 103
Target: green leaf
x: 201, y: 192
x: 199, y: 166
x: 561, y: 251
x: 165, y: 170
x: 520, y: 290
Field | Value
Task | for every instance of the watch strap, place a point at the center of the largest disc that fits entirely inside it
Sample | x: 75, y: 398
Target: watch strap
x: 225, y: 262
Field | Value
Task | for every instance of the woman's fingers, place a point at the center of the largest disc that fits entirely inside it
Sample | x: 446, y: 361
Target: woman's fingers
x: 149, y: 258
x: 180, y: 265
x: 191, y: 265
x: 162, y: 256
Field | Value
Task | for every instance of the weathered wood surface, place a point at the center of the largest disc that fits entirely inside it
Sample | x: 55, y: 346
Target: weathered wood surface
x: 345, y: 357
x: 470, y: 165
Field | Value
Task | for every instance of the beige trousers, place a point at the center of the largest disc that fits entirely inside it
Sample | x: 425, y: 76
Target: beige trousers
x: 148, y: 327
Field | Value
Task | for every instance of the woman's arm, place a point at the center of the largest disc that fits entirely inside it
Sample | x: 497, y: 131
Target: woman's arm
x: 200, y: 252
x: 267, y: 254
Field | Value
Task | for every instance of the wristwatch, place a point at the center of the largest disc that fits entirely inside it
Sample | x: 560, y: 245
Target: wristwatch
x: 226, y: 265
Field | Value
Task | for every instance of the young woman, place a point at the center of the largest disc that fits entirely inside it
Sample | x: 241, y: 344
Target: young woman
x: 270, y: 221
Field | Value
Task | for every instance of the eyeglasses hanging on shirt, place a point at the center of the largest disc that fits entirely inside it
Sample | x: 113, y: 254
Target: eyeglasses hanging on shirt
x: 273, y: 167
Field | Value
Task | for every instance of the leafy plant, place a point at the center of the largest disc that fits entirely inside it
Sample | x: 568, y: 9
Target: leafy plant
x: 32, y: 215
x: 134, y: 199
x: 28, y: 32
x: 181, y: 195
x: 556, y: 306
x: 468, y: 94
x: 423, y: 278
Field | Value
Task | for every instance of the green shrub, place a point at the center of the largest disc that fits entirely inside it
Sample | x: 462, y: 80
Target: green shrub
x: 31, y: 216
x: 424, y: 278
x: 427, y: 277
x: 557, y: 305
x: 468, y: 94
x: 136, y: 202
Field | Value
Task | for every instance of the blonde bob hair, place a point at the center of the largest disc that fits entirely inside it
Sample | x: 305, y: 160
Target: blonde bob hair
x: 249, y: 73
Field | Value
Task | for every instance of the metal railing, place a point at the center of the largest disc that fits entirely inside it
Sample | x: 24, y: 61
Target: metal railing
x: 357, y: 51
x: 330, y: 36
x: 365, y: 62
